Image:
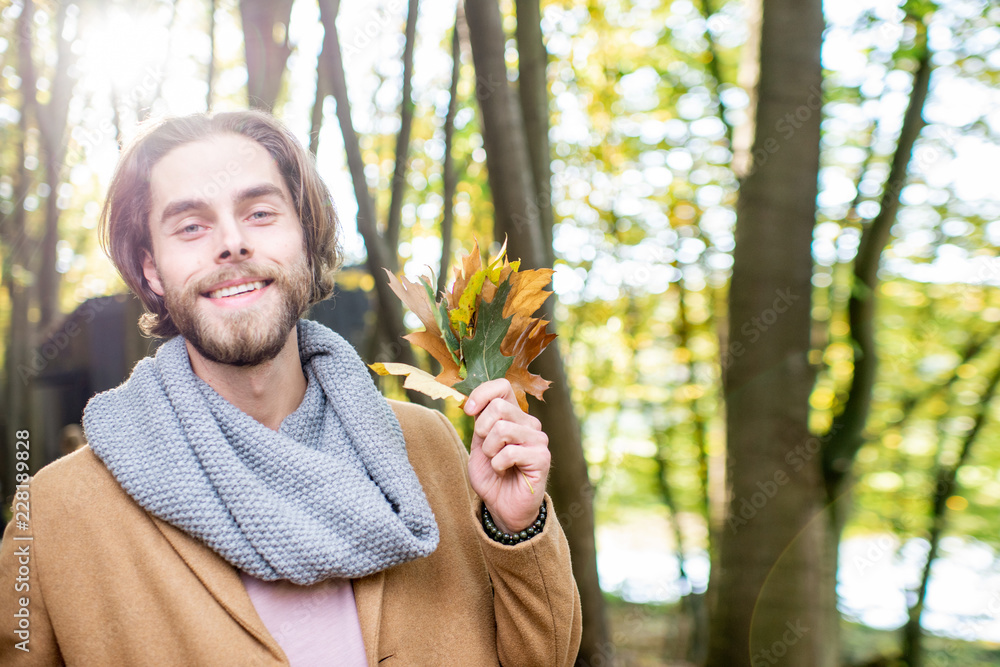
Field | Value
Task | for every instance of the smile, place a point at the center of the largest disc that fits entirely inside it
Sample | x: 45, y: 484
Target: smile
x: 233, y: 290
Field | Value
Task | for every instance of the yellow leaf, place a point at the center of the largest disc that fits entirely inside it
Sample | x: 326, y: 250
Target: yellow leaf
x: 471, y: 263
x: 467, y: 303
x: 418, y: 380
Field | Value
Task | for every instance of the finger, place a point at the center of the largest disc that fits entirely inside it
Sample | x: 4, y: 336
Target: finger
x: 499, y: 410
x: 506, y: 433
x: 527, y: 459
x: 486, y: 392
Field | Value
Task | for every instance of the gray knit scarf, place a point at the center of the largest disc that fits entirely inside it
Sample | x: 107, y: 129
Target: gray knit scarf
x: 330, y: 494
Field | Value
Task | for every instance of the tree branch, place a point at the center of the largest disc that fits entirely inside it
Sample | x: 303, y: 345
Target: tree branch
x: 845, y: 436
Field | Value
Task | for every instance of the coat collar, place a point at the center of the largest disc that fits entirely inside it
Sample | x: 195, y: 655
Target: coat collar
x: 223, y: 581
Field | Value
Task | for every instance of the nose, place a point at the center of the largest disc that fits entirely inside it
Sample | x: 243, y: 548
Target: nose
x: 234, y: 245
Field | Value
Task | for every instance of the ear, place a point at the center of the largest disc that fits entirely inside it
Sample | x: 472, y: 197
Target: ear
x: 152, y: 276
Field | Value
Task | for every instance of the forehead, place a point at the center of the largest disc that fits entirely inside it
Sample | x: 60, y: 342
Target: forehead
x: 211, y: 168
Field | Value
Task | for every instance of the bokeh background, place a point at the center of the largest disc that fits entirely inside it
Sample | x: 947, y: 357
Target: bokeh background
x: 774, y: 229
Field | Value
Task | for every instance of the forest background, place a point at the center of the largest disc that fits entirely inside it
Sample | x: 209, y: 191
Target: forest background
x: 773, y: 228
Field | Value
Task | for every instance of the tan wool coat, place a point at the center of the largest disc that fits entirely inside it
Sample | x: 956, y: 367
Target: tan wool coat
x: 109, y: 585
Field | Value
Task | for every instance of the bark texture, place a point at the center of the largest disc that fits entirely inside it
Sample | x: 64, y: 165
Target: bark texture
x: 768, y: 578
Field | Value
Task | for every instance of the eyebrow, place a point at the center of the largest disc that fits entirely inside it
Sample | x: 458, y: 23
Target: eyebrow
x: 180, y: 206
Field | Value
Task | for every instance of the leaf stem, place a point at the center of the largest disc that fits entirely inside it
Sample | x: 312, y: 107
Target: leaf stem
x: 526, y: 481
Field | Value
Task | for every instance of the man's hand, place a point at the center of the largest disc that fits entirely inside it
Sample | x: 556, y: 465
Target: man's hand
x: 506, y: 443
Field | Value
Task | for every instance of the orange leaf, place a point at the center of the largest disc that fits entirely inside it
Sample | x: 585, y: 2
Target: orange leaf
x: 527, y: 294
x: 529, y: 345
x: 434, y: 344
x: 415, y: 297
x: 471, y: 263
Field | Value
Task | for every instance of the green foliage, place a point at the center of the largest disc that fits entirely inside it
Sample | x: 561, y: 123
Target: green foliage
x: 483, y: 360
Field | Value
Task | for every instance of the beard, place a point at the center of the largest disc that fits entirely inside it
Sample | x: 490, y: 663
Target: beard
x: 246, y: 336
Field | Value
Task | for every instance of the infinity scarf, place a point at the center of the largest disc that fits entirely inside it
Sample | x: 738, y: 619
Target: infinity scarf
x: 330, y: 494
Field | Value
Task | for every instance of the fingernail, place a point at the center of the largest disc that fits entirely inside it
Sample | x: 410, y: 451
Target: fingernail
x: 470, y: 405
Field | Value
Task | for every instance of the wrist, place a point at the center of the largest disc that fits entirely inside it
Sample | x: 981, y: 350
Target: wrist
x: 503, y: 536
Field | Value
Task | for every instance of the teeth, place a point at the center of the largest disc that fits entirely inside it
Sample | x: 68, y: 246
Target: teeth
x: 236, y: 289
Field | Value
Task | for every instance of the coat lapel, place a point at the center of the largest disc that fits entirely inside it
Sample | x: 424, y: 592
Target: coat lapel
x: 222, y: 580
x: 368, y: 599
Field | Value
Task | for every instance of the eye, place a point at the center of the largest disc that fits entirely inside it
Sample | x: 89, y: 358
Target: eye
x: 191, y: 228
x: 261, y: 215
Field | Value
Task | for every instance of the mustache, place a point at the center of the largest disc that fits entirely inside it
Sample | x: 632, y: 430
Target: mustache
x: 234, y: 273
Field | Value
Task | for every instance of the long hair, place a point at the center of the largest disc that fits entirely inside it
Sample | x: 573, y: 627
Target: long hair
x: 124, y: 224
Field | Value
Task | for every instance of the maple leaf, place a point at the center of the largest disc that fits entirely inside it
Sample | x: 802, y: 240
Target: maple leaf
x: 416, y: 298
x: 529, y: 345
x: 527, y: 294
x: 481, y: 353
x: 418, y: 380
x: 471, y: 263
x: 419, y: 298
x: 484, y: 327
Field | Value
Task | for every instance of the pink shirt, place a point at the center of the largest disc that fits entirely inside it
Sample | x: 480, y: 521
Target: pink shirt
x: 314, y: 625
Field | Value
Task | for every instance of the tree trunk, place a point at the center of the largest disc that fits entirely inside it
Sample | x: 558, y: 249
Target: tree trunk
x: 380, y: 257
x: 449, y: 176
x: 52, y: 132
x: 532, y: 60
x: 398, y: 187
x: 18, y: 251
x: 210, y: 75
x: 517, y: 216
x: 265, y: 33
x: 768, y: 575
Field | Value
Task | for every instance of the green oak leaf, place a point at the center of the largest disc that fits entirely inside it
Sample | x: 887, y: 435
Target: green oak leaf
x: 481, y: 353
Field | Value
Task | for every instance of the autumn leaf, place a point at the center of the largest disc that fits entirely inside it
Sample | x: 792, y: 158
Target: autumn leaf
x: 416, y: 298
x: 418, y: 380
x: 529, y: 345
x: 527, y: 294
x: 481, y: 353
x: 484, y: 327
x: 471, y: 264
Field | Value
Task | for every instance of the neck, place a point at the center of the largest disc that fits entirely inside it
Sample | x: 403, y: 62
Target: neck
x: 268, y: 392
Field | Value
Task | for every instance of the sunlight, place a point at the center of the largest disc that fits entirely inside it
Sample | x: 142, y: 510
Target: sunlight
x: 123, y: 53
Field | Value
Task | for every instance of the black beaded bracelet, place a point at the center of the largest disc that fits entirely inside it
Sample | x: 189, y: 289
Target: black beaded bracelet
x: 515, y: 538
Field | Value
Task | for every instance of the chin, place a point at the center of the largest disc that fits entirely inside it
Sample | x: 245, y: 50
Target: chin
x: 245, y: 338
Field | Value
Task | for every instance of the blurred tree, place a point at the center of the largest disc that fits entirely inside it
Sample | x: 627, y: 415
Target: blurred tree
x: 767, y: 583
x: 381, y: 255
x: 516, y: 201
x: 265, y: 32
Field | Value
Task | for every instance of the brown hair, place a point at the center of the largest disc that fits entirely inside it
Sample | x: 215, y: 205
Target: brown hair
x: 124, y: 225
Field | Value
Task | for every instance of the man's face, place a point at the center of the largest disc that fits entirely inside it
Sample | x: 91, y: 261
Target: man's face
x: 228, y: 250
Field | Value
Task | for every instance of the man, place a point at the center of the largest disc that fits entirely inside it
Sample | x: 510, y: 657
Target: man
x: 247, y: 497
